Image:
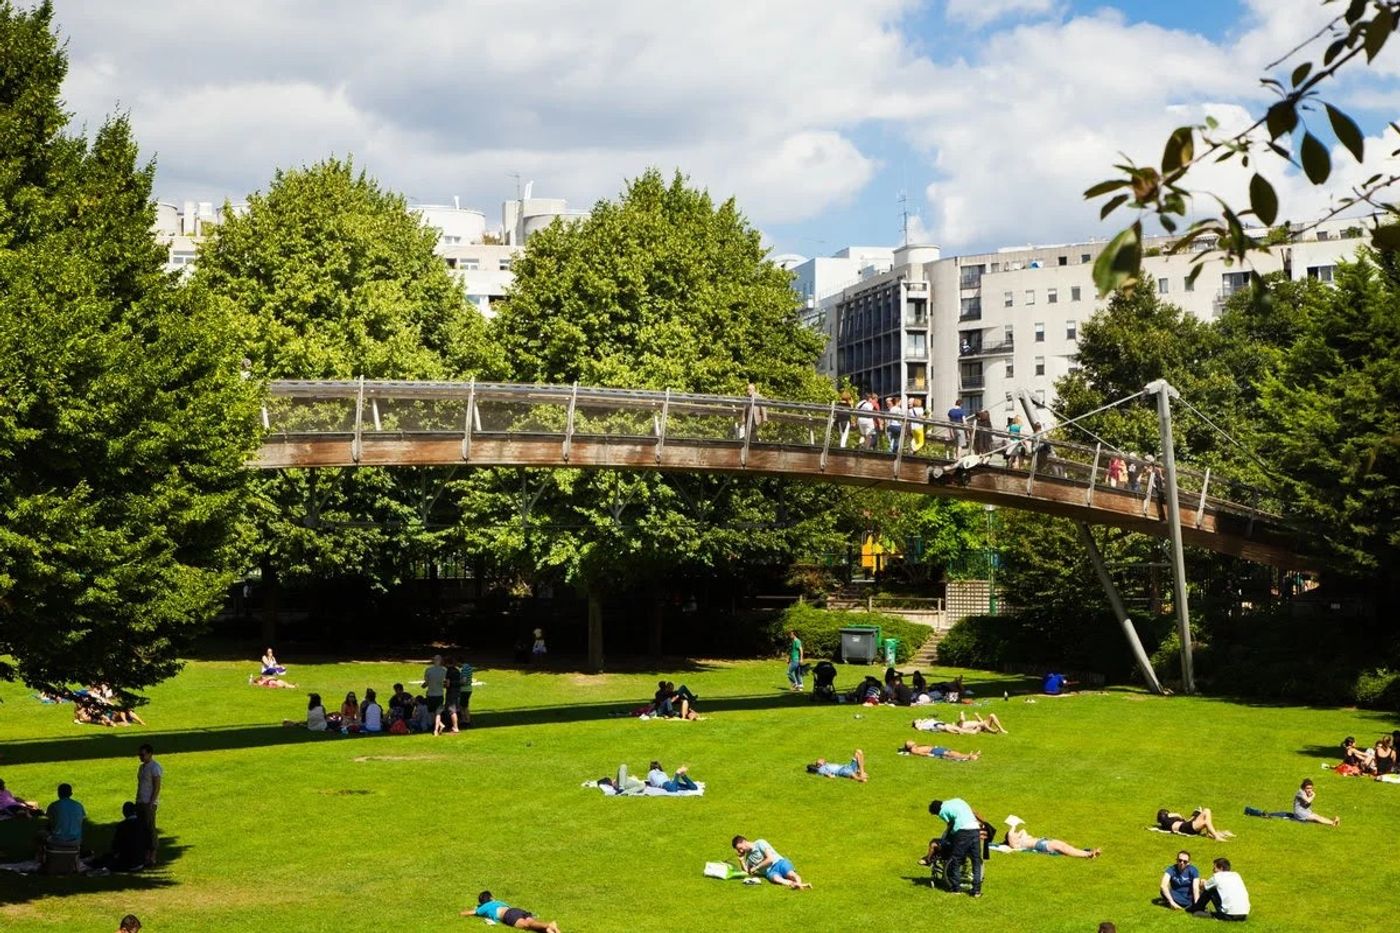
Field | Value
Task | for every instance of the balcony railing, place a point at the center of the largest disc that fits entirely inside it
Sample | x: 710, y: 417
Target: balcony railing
x: 1005, y: 348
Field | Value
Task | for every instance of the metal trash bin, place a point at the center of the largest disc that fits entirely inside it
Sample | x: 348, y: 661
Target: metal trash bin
x: 891, y: 651
x: 860, y: 644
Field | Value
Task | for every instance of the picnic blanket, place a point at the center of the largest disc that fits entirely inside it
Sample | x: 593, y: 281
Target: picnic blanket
x: 647, y: 791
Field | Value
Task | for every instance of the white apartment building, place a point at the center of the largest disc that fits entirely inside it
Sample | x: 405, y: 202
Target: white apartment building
x: 980, y: 327
x: 820, y: 282
x: 480, y: 260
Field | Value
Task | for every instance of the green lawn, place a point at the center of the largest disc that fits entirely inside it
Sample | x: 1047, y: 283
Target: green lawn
x: 269, y: 828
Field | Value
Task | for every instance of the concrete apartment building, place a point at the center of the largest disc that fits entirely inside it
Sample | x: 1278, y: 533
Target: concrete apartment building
x: 980, y: 327
x: 479, y: 259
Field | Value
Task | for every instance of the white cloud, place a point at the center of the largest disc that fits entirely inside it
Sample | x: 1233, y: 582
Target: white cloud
x: 441, y: 98
x: 978, y: 13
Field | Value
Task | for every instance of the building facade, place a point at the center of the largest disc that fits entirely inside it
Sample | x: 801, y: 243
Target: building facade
x: 980, y: 327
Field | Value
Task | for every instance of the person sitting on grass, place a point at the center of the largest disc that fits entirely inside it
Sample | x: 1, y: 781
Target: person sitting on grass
x: 130, y: 843
x: 1302, y: 806
x: 265, y: 680
x: 760, y: 858
x: 937, y: 751
x: 1199, y: 823
x: 400, y: 704
x: 270, y: 667
x: 855, y: 769
x: 371, y: 713
x: 1362, y: 759
x: 66, y: 819
x: 13, y: 807
x: 506, y: 915
x: 657, y: 777
x: 350, y: 713
x: 1384, y: 756
x: 129, y: 924
x: 1224, y: 890
x: 316, y: 720
x: 1055, y: 684
x: 1181, y: 883
x: 1017, y: 838
x: 421, y: 719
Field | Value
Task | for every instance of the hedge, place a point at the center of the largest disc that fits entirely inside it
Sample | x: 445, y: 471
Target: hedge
x: 820, y: 630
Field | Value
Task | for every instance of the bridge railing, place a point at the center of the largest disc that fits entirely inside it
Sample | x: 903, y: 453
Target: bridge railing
x: 364, y: 410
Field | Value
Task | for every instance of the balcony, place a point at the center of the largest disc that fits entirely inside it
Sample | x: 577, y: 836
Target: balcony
x: 973, y: 382
x: 916, y: 289
x: 977, y: 350
x: 916, y: 317
x: 970, y: 314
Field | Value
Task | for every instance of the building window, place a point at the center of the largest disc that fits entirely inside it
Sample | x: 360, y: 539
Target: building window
x: 996, y: 267
x: 1030, y: 296
x: 1085, y: 257
x: 1040, y: 365
x: 470, y: 265
x: 1052, y: 296
x: 504, y: 264
x: 971, y: 309
x: 1071, y: 330
x: 1010, y: 370
x: 1007, y: 299
x: 918, y: 344
x: 1040, y: 332
x: 970, y: 276
x: 1008, y: 335
x: 451, y: 240
x: 1321, y: 273
x: 972, y: 402
x: 1074, y: 293
x: 1064, y: 260
x: 1163, y: 286
x: 1188, y: 284
x: 1231, y: 282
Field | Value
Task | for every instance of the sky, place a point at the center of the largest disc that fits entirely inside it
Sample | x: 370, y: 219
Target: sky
x: 826, y: 119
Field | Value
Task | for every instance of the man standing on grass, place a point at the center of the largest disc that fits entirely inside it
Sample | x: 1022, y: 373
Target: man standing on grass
x: 149, y: 778
x: 965, y: 836
x: 795, y: 662
x: 435, y: 683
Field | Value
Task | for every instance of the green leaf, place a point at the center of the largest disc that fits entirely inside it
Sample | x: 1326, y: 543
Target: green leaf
x: 1180, y: 149
x: 1193, y: 275
x: 1317, y: 164
x: 1112, y: 205
x: 1281, y: 118
x: 1348, y: 133
x: 1119, y: 264
x: 1377, y: 31
x: 1333, y: 50
x: 1354, y: 10
x: 1300, y: 73
x: 1386, y: 238
x: 1104, y: 187
x: 1263, y: 199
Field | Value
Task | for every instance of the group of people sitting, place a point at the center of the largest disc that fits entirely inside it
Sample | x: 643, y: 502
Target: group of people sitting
x: 670, y: 702
x: 893, y: 690
x: 1377, y: 762
x: 63, y: 836
x: 446, y: 707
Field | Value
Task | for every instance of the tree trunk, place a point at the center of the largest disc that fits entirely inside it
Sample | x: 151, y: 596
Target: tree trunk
x: 658, y: 622
x: 595, y: 631
x: 269, y: 619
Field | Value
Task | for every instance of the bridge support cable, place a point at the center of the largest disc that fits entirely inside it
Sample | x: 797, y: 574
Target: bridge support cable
x: 1120, y: 612
x: 1094, y: 478
x: 826, y: 444
x: 1165, y: 393
x: 661, y: 426
x: 471, y: 417
x: 357, y: 445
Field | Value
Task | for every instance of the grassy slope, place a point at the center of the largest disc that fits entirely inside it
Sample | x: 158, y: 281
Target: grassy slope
x: 282, y: 831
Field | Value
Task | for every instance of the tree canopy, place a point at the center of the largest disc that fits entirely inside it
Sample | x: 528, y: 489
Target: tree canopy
x: 125, y: 423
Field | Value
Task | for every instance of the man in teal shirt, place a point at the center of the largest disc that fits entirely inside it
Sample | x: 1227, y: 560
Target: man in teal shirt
x: 965, y: 839
x: 66, y: 818
x: 795, y: 662
x: 506, y: 915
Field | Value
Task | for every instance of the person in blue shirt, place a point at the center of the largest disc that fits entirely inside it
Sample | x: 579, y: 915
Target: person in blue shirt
x: 760, y: 858
x: 66, y: 817
x: 506, y: 915
x: 855, y: 770
x: 1055, y: 684
x: 1181, y: 883
x: 965, y: 840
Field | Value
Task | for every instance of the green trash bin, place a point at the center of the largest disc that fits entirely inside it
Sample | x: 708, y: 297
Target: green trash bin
x: 891, y: 651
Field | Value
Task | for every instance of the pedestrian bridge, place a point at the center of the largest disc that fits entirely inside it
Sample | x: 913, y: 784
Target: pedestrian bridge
x: 385, y: 424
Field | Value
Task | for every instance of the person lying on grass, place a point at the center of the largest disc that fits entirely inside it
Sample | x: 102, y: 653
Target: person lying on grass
x: 1018, y: 838
x: 506, y: 915
x: 657, y: 777
x: 12, y: 806
x: 963, y: 726
x: 937, y: 751
x: 855, y: 769
x: 264, y: 680
x: 760, y: 858
x: 1199, y: 823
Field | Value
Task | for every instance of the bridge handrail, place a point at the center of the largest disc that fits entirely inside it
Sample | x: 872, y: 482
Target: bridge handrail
x: 938, y: 432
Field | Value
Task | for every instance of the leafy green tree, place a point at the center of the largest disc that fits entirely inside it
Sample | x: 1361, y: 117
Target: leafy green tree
x: 125, y: 424
x: 329, y: 276
x: 1331, y: 415
x: 661, y: 288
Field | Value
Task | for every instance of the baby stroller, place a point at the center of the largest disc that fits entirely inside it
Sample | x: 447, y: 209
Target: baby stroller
x: 824, y: 691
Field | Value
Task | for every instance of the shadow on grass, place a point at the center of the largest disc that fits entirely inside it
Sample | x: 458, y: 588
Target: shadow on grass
x: 17, y: 843
x: 923, y: 881
x: 225, y: 738
x: 1333, y: 752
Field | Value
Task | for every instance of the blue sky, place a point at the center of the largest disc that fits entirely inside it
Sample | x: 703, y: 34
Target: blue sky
x: 990, y: 115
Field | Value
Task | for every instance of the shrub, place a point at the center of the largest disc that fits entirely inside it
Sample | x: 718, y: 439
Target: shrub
x: 820, y: 630
x: 976, y: 641
x: 1378, y: 689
